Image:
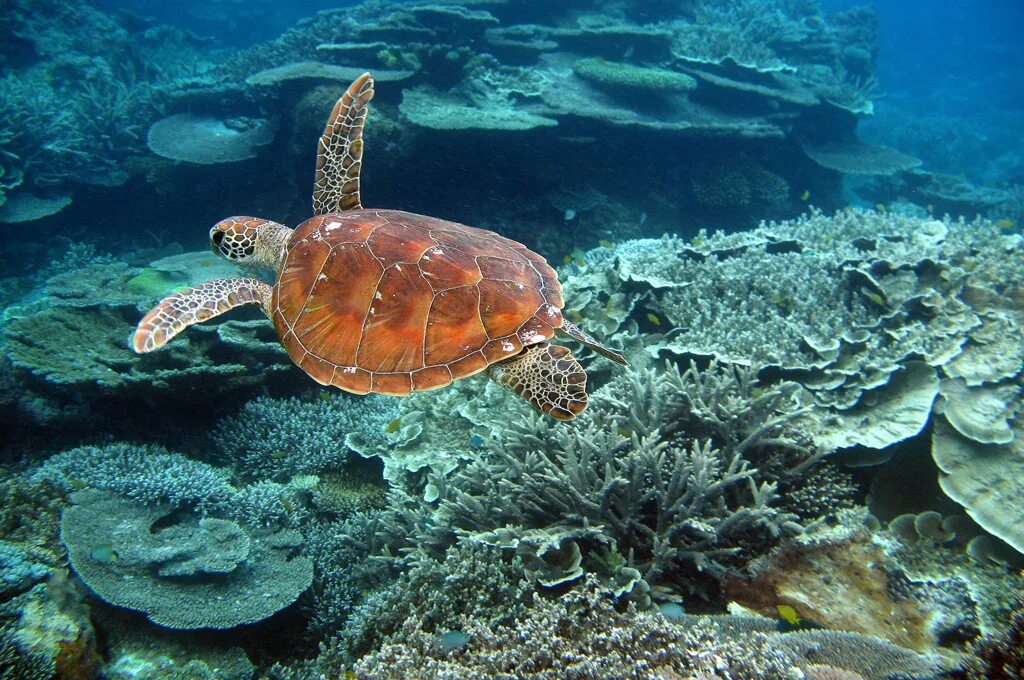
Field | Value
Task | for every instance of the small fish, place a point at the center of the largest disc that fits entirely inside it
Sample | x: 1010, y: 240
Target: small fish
x: 393, y: 426
x: 643, y: 217
x: 566, y: 260
x: 579, y: 261
x: 604, y: 243
x: 452, y: 640
x: 574, y: 315
x: 880, y: 207
x: 790, y: 620
x: 625, y: 433
x: 476, y: 441
x: 653, y: 318
x: 930, y: 208
x: 570, y: 215
x: 874, y: 297
x: 103, y: 553
x: 1006, y: 224
x: 788, y: 614
x: 672, y: 611
x: 279, y: 455
x: 804, y: 196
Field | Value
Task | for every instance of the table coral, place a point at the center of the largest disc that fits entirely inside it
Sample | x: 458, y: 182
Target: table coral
x: 237, y: 576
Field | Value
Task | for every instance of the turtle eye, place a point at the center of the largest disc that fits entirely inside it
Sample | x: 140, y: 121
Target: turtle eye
x: 217, y: 236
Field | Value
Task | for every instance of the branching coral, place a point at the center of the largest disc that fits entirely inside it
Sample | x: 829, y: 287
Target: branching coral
x: 279, y: 438
x: 152, y: 476
x: 677, y: 482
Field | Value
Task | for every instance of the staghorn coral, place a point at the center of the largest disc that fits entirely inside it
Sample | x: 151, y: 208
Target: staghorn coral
x: 279, y: 438
x: 146, y: 474
x: 339, y: 551
x: 667, y: 486
x: 474, y: 581
x: 150, y: 475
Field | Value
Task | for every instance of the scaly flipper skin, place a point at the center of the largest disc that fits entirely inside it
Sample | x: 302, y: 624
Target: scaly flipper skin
x: 339, y: 154
x: 581, y: 336
x: 177, y: 312
x: 547, y: 376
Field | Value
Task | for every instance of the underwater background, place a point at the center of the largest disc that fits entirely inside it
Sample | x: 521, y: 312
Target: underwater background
x: 799, y: 220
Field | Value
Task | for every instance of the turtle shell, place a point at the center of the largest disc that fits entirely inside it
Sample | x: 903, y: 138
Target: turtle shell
x: 392, y: 302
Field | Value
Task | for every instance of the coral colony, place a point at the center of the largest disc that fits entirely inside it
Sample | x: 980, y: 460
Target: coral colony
x: 812, y: 465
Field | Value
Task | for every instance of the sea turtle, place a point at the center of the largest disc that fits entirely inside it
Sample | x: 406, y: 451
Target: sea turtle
x: 387, y: 301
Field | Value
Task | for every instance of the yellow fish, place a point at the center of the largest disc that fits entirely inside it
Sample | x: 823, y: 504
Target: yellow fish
x: 653, y: 318
x: 788, y: 614
x: 1006, y: 224
x: 880, y: 207
x: 804, y: 196
x: 604, y: 243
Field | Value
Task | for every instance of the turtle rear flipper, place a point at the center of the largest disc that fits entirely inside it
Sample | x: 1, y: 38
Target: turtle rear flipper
x: 339, y: 155
x: 177, y: 312
x: 547, y: 376
x: 582, y: 337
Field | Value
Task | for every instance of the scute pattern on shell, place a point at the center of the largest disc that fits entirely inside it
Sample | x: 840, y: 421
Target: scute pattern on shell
x: 392, y: 302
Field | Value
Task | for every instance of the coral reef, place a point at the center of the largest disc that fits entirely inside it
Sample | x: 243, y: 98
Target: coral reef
x: 135, y: 652
x: 456, y: 533
x: 1000, y: 656
x: 675, y: 485
x: 176, y: 574
x: 878, y: 317
x: 75, y: 109
x: 45, y: 633
x: 144, y: 474
x: 280, y: 438
x: 67, y: 342
x: 153, y: 476
x: 583, y: 635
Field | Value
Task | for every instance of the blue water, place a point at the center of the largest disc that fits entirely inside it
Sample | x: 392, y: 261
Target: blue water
x: 729, y: 295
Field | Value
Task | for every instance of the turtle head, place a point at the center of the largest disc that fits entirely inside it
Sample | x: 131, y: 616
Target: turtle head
x: 250, y: 241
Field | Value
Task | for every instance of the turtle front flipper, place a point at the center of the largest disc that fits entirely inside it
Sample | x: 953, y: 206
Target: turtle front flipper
x: 581, y: 336
x: 177, y: 312
x: 339, y: 155
x: 547, y: 376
